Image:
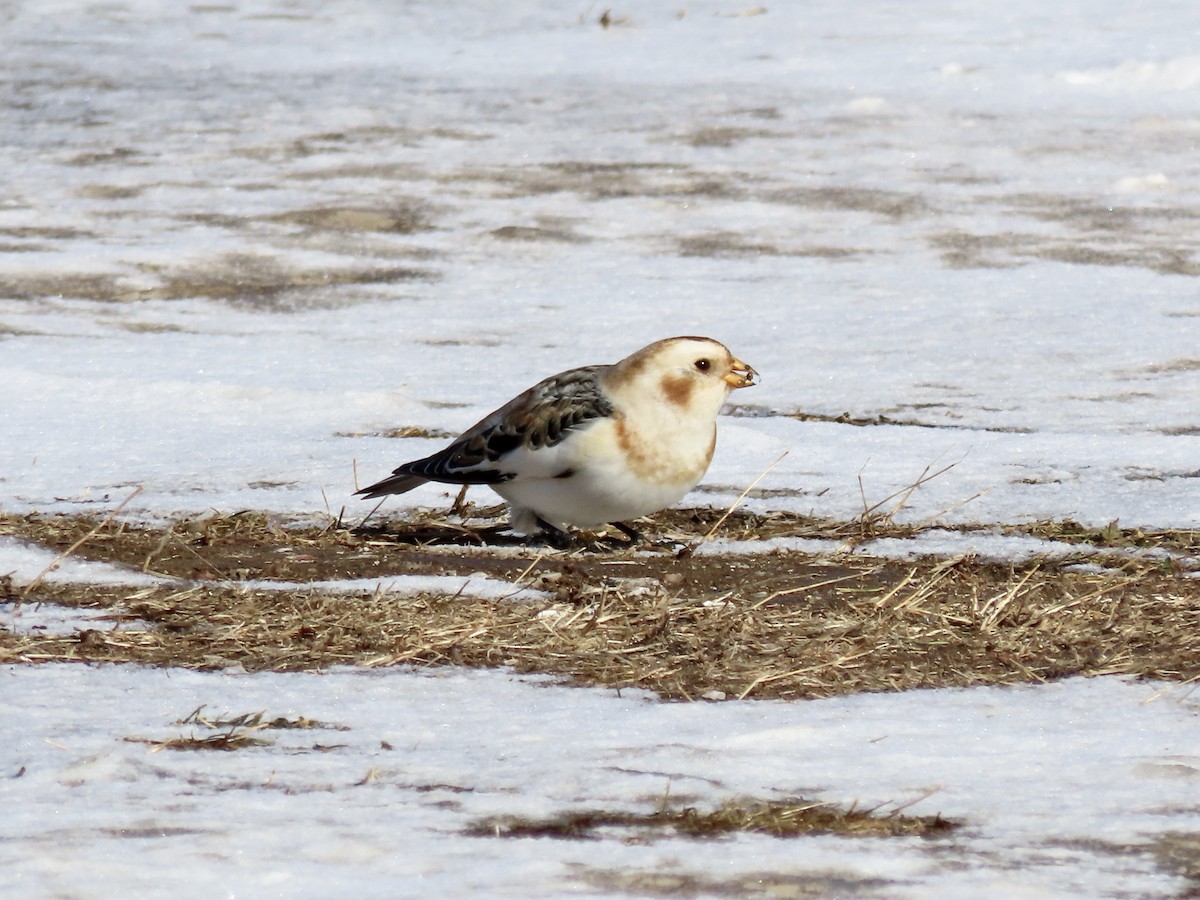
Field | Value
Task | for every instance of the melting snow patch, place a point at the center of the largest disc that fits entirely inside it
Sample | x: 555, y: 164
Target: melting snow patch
x: 24, y: 562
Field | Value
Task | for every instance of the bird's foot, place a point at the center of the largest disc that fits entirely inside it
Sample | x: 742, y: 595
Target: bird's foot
x: 555, y: 536
x: 638, y: 539
x: 561, y: 539
x: 635, y: 536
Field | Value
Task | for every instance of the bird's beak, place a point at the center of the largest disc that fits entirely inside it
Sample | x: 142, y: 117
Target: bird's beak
x: 741, y: 375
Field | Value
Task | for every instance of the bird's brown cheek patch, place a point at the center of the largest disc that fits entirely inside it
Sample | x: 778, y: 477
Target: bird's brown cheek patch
x: 677, y: 389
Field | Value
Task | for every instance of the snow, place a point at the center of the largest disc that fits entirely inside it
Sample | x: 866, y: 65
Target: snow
x: 947, y: 215
x: 24, y: 563
x: 1049, y: 807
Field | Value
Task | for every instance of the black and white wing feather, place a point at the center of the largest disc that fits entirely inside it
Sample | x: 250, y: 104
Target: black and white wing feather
x: 512, y: 440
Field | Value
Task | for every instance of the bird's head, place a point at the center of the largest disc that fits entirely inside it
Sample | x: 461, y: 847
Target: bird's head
x: 692, y: 374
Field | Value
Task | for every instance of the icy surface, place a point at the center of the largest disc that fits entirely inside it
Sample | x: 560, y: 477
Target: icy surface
x: 240, y: 242
x: 24, y: 563
x: 375, y: 802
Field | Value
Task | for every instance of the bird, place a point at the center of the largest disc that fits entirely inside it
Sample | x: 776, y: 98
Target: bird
x: 596, y: 445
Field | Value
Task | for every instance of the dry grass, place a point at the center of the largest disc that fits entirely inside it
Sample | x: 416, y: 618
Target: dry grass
x: 779, y: 625
x: 777, y: 818
x: 401, y: 432
x: 686, y: 626
x: 229, y: 740
x: 232, y: 732
x: 256, y: 721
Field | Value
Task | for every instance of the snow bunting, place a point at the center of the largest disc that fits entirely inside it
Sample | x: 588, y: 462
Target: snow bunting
x: 595, y: 445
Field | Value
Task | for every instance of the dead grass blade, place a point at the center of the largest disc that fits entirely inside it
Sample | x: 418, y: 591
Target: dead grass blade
x: 79, y: 543
x: 742, y: 496
x: 874, y: 517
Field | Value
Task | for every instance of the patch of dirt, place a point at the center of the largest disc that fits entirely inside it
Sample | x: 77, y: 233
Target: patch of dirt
x: 1179, y: 853
x: 104, y: 288
x: 732, y: 245
x: 537, y: 234
x: 722, y: 136
x: 599, y: 181
x: 686, y: 625
x: 779, y: 818
x: 401, y: 432
x: 257, y: 281
x: 668, y: 882
x: 265, y: 282
x: 847, y: 418
x: 1088, y: 246
x: 889, y: 204
x: 400, y: 218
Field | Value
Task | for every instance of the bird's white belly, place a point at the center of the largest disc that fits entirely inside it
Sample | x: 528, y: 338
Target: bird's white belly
x: 603, y: 486
x: 583, y: 501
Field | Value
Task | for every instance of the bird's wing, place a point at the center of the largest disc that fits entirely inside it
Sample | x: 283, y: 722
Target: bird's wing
x: 514, y: 439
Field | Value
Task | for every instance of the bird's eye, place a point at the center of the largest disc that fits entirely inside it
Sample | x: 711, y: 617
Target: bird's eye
x: 703, y: 365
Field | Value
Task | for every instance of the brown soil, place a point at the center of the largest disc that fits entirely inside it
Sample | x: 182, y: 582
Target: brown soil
x: 686, y: 625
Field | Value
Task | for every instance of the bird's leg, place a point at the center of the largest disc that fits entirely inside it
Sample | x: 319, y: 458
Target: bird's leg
x: 554, y: 536
x: 460, y: 502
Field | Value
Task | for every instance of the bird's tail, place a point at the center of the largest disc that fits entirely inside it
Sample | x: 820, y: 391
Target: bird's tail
x: 398, y: 483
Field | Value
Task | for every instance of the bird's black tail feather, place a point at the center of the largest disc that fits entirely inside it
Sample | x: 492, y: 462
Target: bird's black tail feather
x: 398, y: 483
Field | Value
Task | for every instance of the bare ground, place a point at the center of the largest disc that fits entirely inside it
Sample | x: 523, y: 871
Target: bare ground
x: 685, y: 625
